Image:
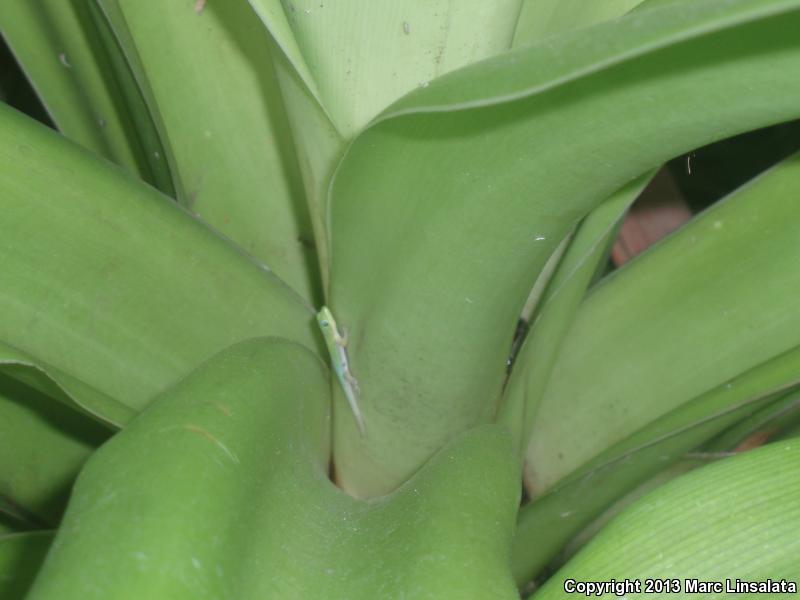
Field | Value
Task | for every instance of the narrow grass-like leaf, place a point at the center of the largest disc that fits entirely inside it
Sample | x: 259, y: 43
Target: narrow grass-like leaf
x: 736, y: 519
x: 709, y: 302
x: 446, y: 208
x: 105, y: 280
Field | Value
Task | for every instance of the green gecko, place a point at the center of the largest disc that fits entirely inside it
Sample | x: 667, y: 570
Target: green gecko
x: 336, y: 344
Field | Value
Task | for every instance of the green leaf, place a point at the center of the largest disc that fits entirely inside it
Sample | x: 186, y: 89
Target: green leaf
x: 708, y: 303
x: 61, y: 51
x: 273, y: 14
x: 220, y: 489
x: 319, y: 146
x: 108, y: 282
x: 772, y: 420
x: 474, y: 180
x: 341, y: 63
x: 359, y: 57
x: 564, y: 293
x: 143, y: 131
x: 224, y: 125
x: 62, y: 386
x: 539, y: 19
x: 734, y: 519
x: 689, y: 463
x: 43, y: 443
x: 549, y: 521
x: 21, y: 555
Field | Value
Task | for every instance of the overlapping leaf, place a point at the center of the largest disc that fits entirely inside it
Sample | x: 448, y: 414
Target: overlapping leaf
x: 108, y: 282
x: 443, y: 211
x: 709, y: 303
x: 561, y: 299
x: 737, y: 519
x: 220, y: 489
x: 358, y: 57
x: 21, y: 555
x: 43, y: 444
x: 549, y: 521
x: 777, y: 419
x: 61, y: 51
x: 222, y: 117
x: 341, y: 63
x: 539, y: 19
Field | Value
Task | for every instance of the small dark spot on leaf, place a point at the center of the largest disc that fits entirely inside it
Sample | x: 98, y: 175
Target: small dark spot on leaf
x: 306, y: 242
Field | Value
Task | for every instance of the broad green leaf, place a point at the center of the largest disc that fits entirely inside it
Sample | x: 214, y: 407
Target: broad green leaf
x: 105, y: 280
x: 21, y: 555
x: 43, y: 443
x: 445, y: 209
x: 564, y: 294
x: 359, y: 57
x: 539, y: 19
x: 675, y: 470
x: 551, y: 520
x: 735, y: 519
x: 706, y: 304
x: 225, y: 125
x: 61, y: 51
x: 341, y: 63
x: 219, y: 490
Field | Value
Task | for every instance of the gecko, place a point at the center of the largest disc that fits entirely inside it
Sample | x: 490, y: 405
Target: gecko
x: 337, y: 348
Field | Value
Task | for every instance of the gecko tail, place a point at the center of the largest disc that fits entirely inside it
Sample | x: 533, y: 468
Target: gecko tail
x: 360, y: 423
x: 353, y: 402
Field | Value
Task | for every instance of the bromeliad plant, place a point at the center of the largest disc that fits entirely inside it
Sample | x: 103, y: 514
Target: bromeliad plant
x: 431, y: 171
